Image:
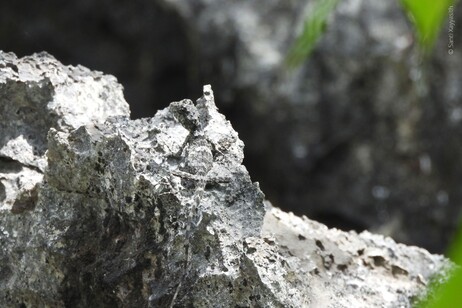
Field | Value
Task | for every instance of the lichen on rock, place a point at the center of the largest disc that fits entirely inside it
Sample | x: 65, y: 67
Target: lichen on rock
x: 98, y: 210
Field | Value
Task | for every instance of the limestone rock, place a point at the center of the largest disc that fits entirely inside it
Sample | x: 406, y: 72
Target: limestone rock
x: 355, y: 133
x: 160, y: 212
x: 344, y: 269
x: 350, y: 138
x: 39, y: 93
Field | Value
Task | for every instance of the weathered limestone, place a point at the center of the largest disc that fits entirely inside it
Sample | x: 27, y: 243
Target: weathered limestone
x: 103, y: 211
x: 350, y: 138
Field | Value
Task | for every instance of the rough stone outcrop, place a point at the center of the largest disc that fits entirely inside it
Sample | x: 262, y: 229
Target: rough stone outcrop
x: 350, y: 138
x: 38, y: 93
x: 363, y: 135
x: 98, y: 210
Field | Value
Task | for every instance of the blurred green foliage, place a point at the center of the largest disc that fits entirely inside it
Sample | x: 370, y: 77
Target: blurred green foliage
x: 447, y: 294
x: 314, y: 27
x: 428, y: 17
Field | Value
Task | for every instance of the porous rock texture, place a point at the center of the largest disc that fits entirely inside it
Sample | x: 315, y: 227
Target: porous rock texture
x: 98, y: 210
x: 359, y: 136
x: 362, y: 135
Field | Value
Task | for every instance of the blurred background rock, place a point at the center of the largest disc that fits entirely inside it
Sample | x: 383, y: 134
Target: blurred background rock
x: 361, y: 136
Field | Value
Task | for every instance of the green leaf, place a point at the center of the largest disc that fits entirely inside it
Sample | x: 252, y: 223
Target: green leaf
x: 428, y: 17
x: 447, y: 294
x: 314, y: 26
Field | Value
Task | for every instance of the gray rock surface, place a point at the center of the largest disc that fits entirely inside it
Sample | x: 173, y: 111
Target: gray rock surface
x: 39, y: 93
x: 359, y: 137
x: 363, y: 135
x: 160, y: 212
